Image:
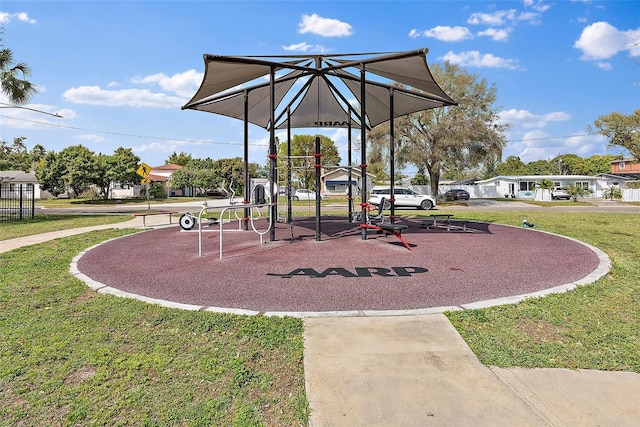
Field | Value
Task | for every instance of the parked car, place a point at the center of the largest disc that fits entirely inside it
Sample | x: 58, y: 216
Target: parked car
x: 559, y: 193
x: 216, y: 193
x: 456, y: 194
x: 404, y: 197
x: 303, y: 194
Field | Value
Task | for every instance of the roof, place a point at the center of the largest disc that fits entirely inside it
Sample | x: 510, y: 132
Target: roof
x: 18, y: 176
x: 354, y: 171
x: 169, y: 166
x: 626, y: 159
x: 317, y: 91
x: 624, y: 176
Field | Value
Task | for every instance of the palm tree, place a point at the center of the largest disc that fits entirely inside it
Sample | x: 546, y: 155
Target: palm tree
x: 545, y: 186
x: 12, y: 78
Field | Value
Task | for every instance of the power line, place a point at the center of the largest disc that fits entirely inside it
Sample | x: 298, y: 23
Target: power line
x: 160, y: 138
x: 200, y: 141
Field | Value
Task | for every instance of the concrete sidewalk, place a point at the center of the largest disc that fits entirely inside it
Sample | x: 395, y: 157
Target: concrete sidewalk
x: 151, y: 221
x: 417, y: 371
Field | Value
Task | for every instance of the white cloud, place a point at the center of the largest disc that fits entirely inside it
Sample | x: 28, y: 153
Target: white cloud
x: 496, y: 34
x: 528, y: 120
x: 325, y: 27
x: 504, y: 17
x: 444, y: 33
x: 602, y: 40
x: 163, y: 147
x: 94, y: 95
x: 476, y: 59
x: 6, y: 18
x: 496, y: 18
x: 606, y: 66
x: 183, y: 84
x: 305, y: 47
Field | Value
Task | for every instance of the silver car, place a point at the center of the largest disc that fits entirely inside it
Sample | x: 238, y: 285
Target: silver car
x: 404, y: 197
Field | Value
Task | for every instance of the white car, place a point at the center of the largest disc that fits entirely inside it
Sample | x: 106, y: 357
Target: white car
x: 404, y: 197
x: 302, y: 194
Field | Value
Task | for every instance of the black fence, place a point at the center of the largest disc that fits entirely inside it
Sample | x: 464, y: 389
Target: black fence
x: 17, y: 202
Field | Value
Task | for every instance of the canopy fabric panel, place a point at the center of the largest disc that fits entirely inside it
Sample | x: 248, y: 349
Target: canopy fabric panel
x: 318, y: 91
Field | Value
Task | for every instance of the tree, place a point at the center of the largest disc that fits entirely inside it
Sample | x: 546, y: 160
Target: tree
x: 540, y: 167
x: 14, y: 156
x: 598, y: 164
x: 621, y: 129
x: 179, y: 159
x: 13, y: 77
x: 303, y: 150
x: 445, y: 138
x: 74, y: 169
x: 576, y: 191
x: 50, y: 173
x: 511, y: 166
x: 612, y: 193
x: 120, y: 167
x: 570, y: 164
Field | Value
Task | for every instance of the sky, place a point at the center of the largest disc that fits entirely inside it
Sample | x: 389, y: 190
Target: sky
x: 118, y: 72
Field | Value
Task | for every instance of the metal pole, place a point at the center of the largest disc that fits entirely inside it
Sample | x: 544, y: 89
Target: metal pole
x: 349, y: 175
x: 247, y: 183
x: 273, y: 208
x: 363, y: 152
x: 392, y: 159
x: 289, y: 186
x: 318, y: 166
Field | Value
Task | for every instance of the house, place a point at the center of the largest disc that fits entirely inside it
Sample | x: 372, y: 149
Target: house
x: 524, y: 186
x: 335, y: 183
x: 624, y: 172
x: 12, y: 182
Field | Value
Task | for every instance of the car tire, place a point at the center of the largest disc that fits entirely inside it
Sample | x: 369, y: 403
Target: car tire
x: 426, y: 205
x: 295, y: 198
x: 387, y: 205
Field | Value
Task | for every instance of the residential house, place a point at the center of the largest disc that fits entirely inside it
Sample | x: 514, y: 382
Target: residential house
x: 11, y: 182
x: 624, y: 172
x: 335, y: 182
x: 523, y: 187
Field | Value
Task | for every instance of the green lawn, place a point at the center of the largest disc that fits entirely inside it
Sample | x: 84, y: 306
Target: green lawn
x: 593, y: 327
x: 43, y: 223
x: 70, y: 356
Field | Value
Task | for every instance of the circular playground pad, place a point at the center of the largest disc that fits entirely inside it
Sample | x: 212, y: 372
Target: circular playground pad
x: 466, y: 265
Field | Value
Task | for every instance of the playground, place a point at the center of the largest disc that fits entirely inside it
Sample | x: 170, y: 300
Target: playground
x: 472, y: 264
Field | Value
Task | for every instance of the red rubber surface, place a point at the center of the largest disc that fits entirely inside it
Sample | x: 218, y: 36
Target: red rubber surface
x: 331, y: 275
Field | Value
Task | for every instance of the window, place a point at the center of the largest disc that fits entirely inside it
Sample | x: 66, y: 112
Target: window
x: 583, y: 184
x: 527, y: 185
x: 621, y: 165
x: 557, y: 184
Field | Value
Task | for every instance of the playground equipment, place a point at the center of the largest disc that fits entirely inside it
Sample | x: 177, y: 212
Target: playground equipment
x: 253, y: 209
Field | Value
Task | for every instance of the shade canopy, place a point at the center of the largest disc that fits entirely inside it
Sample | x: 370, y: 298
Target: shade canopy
x: 318, y: 91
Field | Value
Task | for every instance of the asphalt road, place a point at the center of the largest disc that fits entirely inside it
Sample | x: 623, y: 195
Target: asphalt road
x: 597, y: 205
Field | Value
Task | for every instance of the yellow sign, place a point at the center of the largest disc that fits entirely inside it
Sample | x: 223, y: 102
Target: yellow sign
x: 146, y: 181
x: 143, y: 170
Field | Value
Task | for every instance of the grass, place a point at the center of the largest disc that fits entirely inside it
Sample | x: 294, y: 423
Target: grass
x: 44, y: 223
x: 592, y: 327
x: 79, y: 202
x: 70, y: 356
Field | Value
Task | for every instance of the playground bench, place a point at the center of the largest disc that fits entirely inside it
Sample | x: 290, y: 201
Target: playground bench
x: 395, y: 229
x: 144, y: 215
x: 449, y: 222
